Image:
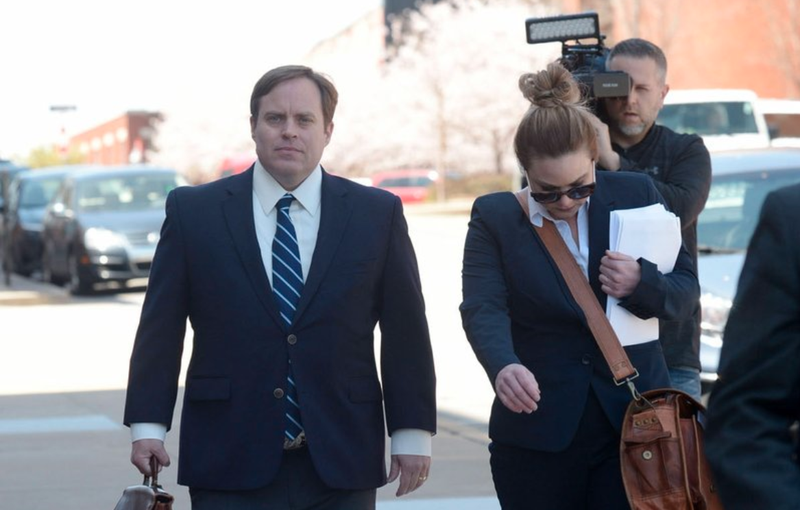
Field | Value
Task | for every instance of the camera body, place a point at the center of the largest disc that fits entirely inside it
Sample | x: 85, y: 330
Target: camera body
x: 586, y: 61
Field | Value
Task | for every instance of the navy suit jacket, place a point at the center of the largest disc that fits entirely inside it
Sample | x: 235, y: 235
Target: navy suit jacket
x: 517, y: 308
x: 208, y: 268
x: 757, y: 397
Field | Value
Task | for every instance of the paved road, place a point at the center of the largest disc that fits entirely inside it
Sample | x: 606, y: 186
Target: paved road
x: 63, y: 367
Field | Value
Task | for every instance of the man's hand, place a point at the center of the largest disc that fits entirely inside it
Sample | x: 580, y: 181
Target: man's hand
x: 517, y: 389
x: 619, y: 274
x: 143, y: 450
x: 607, y: 158
x: 413, y: 471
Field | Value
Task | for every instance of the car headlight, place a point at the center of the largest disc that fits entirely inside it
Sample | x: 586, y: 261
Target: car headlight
x: 715, y: 310
x: 102, y: 239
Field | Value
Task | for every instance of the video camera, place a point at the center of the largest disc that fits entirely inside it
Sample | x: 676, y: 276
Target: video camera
x: 586, y: 62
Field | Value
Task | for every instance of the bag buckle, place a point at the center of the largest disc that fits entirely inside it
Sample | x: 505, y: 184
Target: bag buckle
x: 632, y: 387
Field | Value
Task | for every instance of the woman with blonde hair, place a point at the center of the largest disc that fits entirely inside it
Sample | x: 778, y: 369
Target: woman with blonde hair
x: 556, y: 419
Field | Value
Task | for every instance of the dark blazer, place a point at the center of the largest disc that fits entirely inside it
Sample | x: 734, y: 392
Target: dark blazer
x: 517, y: 309
x: 757, y: 397
x: 208, y: 268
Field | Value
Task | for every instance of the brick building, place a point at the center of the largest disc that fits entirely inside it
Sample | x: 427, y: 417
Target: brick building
x: 713, y: 43
x: 126, y: 139
x: 708, y: 43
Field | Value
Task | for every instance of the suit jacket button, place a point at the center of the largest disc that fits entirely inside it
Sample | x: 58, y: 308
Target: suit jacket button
x: 278, y: 393
x: 586, y: 359
x: 292, y: 339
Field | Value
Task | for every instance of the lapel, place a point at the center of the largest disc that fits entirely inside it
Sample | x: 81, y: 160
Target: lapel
x: 238, y: 211
x: 335, y: 209
x: 548, y: 257
x: 600, y: 207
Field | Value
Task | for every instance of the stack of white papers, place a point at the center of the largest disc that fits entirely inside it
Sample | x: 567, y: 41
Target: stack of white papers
x: 652, y: 233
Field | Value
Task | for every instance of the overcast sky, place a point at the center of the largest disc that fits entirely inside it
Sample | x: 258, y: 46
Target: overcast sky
x: 105, y: 57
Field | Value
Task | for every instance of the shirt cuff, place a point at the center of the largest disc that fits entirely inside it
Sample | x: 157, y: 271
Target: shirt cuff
x: 411, y: 442
x: 148, y: 431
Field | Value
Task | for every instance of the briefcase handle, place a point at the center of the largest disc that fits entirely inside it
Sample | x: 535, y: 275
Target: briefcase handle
x: 154, y: 478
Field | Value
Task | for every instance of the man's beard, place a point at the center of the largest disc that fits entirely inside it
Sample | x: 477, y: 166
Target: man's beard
x: 631, y: 129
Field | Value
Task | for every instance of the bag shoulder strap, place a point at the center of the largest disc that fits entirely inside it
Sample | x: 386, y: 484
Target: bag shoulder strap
x: 601, y: 328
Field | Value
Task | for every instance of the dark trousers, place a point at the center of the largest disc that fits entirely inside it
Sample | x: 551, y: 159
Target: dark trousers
x: 297, y: 487
x: 585, y: 476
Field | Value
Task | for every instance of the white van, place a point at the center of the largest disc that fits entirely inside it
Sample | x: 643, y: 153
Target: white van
x: 783, y: 119
x: 725, y: 118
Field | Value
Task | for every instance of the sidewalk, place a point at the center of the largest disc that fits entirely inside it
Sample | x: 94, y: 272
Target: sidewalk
x: 62, y: 445
x: 69, y: 451
x: 29, y: 292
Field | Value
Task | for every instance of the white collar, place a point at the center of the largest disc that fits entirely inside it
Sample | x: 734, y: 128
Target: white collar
x: 539, y: 211
x: 269, y: 191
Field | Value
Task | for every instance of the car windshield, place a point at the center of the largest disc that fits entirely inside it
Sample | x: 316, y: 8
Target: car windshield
x: 36, y: 193
x: 712, y: 118
x: 733, y: 207
x: 126, y: 192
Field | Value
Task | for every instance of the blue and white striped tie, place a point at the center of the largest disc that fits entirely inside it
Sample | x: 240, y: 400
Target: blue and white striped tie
x: 287, y: 283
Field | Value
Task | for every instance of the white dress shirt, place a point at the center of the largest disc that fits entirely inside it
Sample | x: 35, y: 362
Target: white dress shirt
x: 579, y: 252
x: 305, y: 213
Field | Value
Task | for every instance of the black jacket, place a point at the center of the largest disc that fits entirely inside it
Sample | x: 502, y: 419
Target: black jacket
x: 757, y: 398
x: 518, y: 309
x: 680, y: 167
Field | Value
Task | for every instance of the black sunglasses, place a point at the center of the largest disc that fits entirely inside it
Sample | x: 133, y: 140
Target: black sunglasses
x: 576, y: 193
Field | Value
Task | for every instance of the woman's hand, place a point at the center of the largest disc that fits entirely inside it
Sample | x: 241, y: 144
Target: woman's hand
x: 619, y: 274
x: 517, y: 389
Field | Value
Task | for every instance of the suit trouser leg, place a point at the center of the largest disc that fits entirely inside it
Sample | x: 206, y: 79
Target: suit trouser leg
x: 585, y: 476
x: 296, y: 487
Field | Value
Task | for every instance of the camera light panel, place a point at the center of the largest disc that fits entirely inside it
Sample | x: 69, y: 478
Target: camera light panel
x: 562, y: 28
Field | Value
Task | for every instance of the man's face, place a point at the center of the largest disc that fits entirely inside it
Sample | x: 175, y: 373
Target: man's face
x: 290, y: 132
x: 631, y: 117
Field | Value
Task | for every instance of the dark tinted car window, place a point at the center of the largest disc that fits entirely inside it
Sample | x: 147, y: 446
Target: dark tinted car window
x: 717, y: 118
x: 734, y: 204
x: 38, y: 192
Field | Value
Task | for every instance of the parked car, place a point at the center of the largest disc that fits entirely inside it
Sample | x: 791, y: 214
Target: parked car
x: 411, y: 186
x: 7, y: 172
x: 727, y: 119
x: 28, y: 196
x: 740, y: 182
x: 235, y: 164
x: 103, y: 225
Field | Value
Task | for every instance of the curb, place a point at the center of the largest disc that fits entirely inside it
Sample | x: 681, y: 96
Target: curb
x: 28, y: 292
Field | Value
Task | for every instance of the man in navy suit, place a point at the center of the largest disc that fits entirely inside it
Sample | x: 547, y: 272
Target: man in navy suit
x: 259, y: 368
x: 757, y: 398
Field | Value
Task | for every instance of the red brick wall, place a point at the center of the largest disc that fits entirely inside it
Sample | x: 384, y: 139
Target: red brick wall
x: 111, y: 143
x: 714, y: 43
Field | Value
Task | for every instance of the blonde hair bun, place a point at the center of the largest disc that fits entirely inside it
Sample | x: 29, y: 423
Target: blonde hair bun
x: 551, y: 87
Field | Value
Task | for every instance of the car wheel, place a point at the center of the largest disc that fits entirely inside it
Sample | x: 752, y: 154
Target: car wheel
x: 21, y: 268
x: 23, y: 272
x: 47, y: 269
x: 77, y: 286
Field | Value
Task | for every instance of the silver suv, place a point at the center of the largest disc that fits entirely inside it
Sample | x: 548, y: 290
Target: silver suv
x: 740, y: 182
